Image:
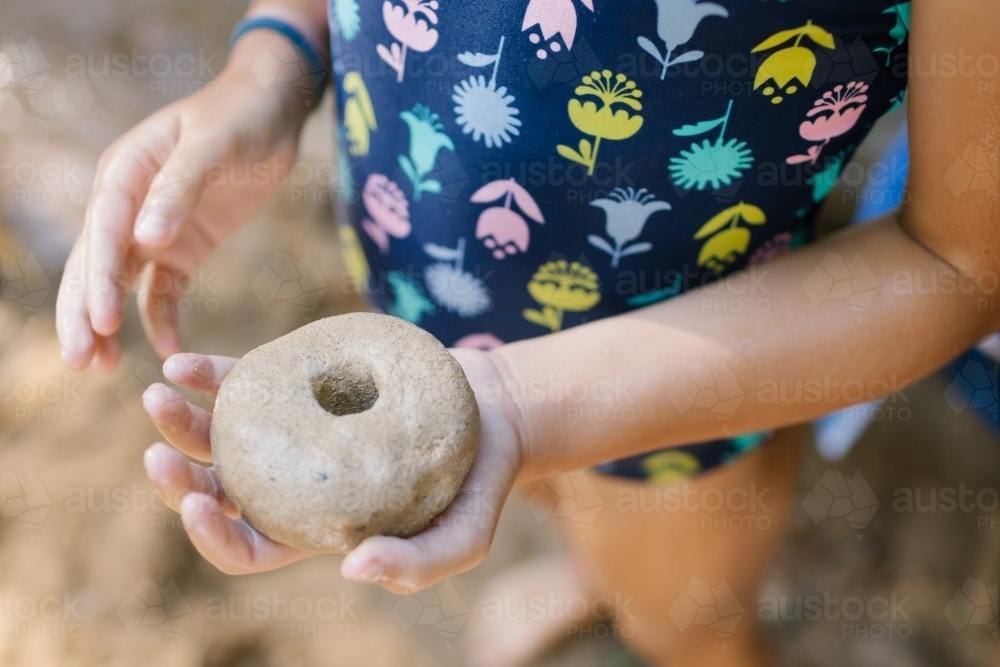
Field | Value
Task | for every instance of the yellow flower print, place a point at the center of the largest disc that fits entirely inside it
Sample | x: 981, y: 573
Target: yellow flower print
x: 670, y: 467
x: 559, y: 286
x: 354, y: 258
x: 727, y: 239
x: 606, y: 122
x: 359, y: 114
x: 792, y: 63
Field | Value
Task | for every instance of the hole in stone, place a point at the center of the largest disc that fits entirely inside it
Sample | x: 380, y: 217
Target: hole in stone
x: 345, y: 392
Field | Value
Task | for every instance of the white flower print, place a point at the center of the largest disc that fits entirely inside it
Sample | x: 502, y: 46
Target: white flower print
x: 482, y: 109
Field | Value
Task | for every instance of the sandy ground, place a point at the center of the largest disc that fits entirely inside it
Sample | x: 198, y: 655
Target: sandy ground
x: 94, y: 571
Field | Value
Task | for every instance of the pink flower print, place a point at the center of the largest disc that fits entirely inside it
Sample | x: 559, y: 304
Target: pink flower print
x: 842, y: 107
x: 772, y: 249
x: 502, y: 229
x: 389, y: 211
x: 411, y: 27
x: 553, y: 17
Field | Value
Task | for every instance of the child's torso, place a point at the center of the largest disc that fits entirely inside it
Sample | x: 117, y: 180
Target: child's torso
x: 522, y: 166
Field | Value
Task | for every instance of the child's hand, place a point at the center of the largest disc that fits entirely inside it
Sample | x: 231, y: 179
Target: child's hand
x: 165, y: 195
x: 454, y: 542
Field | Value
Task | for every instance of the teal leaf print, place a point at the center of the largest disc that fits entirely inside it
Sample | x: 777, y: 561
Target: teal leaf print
x: 710, y: 163
x: 409, y: 303
x: 700, y: 128
x: 429, y: 185
x: 899, y: 32
x: 427, y: 138
x: 897, y: 101
x: 408, y: 168
x: 656, y: 295
x: 347, y: 15
x: 822, y: 182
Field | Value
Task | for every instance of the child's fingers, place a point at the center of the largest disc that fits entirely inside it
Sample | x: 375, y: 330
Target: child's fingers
x: 175, y: 477
x: 232, y: 546
x: 409, y: 565
x: 198, y: 371
x: 185, y: 426
x: 160, y: 290
x: 72, y: 318
x: 107, y: 352
x: 455, y: 541
x: 108, y: 230
x: 174, y: 192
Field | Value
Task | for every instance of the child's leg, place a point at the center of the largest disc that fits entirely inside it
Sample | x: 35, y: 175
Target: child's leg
x: 679, y: 555
x: 647, y: 549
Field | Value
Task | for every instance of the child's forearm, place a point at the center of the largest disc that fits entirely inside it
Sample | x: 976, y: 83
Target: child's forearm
x: 307, y: 16
x: 776, y: 345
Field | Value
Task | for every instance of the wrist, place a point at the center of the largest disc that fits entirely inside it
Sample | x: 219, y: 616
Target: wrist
x: 502, y: 419
x: 523, y: 399
x: 281, y: 54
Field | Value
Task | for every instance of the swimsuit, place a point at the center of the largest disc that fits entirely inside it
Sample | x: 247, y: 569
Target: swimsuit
x: 517, y: 167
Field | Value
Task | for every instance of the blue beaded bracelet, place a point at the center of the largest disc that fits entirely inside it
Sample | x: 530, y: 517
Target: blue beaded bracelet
x: 317, y: 64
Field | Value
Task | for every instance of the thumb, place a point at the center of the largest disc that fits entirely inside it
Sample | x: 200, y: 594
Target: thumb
x: 172, y: 196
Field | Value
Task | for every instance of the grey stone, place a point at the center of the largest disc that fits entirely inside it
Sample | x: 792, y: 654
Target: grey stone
x: 348, y: 427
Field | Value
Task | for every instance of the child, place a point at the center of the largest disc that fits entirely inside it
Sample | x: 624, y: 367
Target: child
x: 612, y: 176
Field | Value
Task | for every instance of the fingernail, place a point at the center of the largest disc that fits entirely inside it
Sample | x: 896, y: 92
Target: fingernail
x: 371, y: 572
x: 71, y: 358
x: 195, y: 504
x: 151, y: 229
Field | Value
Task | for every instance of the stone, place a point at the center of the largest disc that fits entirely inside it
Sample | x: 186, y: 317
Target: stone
x: 351, y: 426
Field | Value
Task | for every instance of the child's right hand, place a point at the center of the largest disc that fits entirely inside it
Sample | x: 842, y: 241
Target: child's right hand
x: 165, y: 195
x: 457, y: 540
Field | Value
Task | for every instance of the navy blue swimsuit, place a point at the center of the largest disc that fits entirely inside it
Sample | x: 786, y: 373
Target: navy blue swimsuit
x: 518, y: 167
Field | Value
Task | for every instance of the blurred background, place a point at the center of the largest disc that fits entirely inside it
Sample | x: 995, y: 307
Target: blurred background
x: 94, y: 570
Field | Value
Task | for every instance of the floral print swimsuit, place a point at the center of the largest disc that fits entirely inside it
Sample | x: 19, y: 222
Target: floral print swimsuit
x: 517, y: 167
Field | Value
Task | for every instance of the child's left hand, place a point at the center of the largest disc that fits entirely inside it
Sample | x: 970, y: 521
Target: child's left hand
x: 454, y: 542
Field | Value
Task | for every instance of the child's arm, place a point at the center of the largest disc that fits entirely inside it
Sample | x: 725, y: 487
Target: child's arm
x: 154, y: 217
x: 666, y: 360
x: 809, y: 351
